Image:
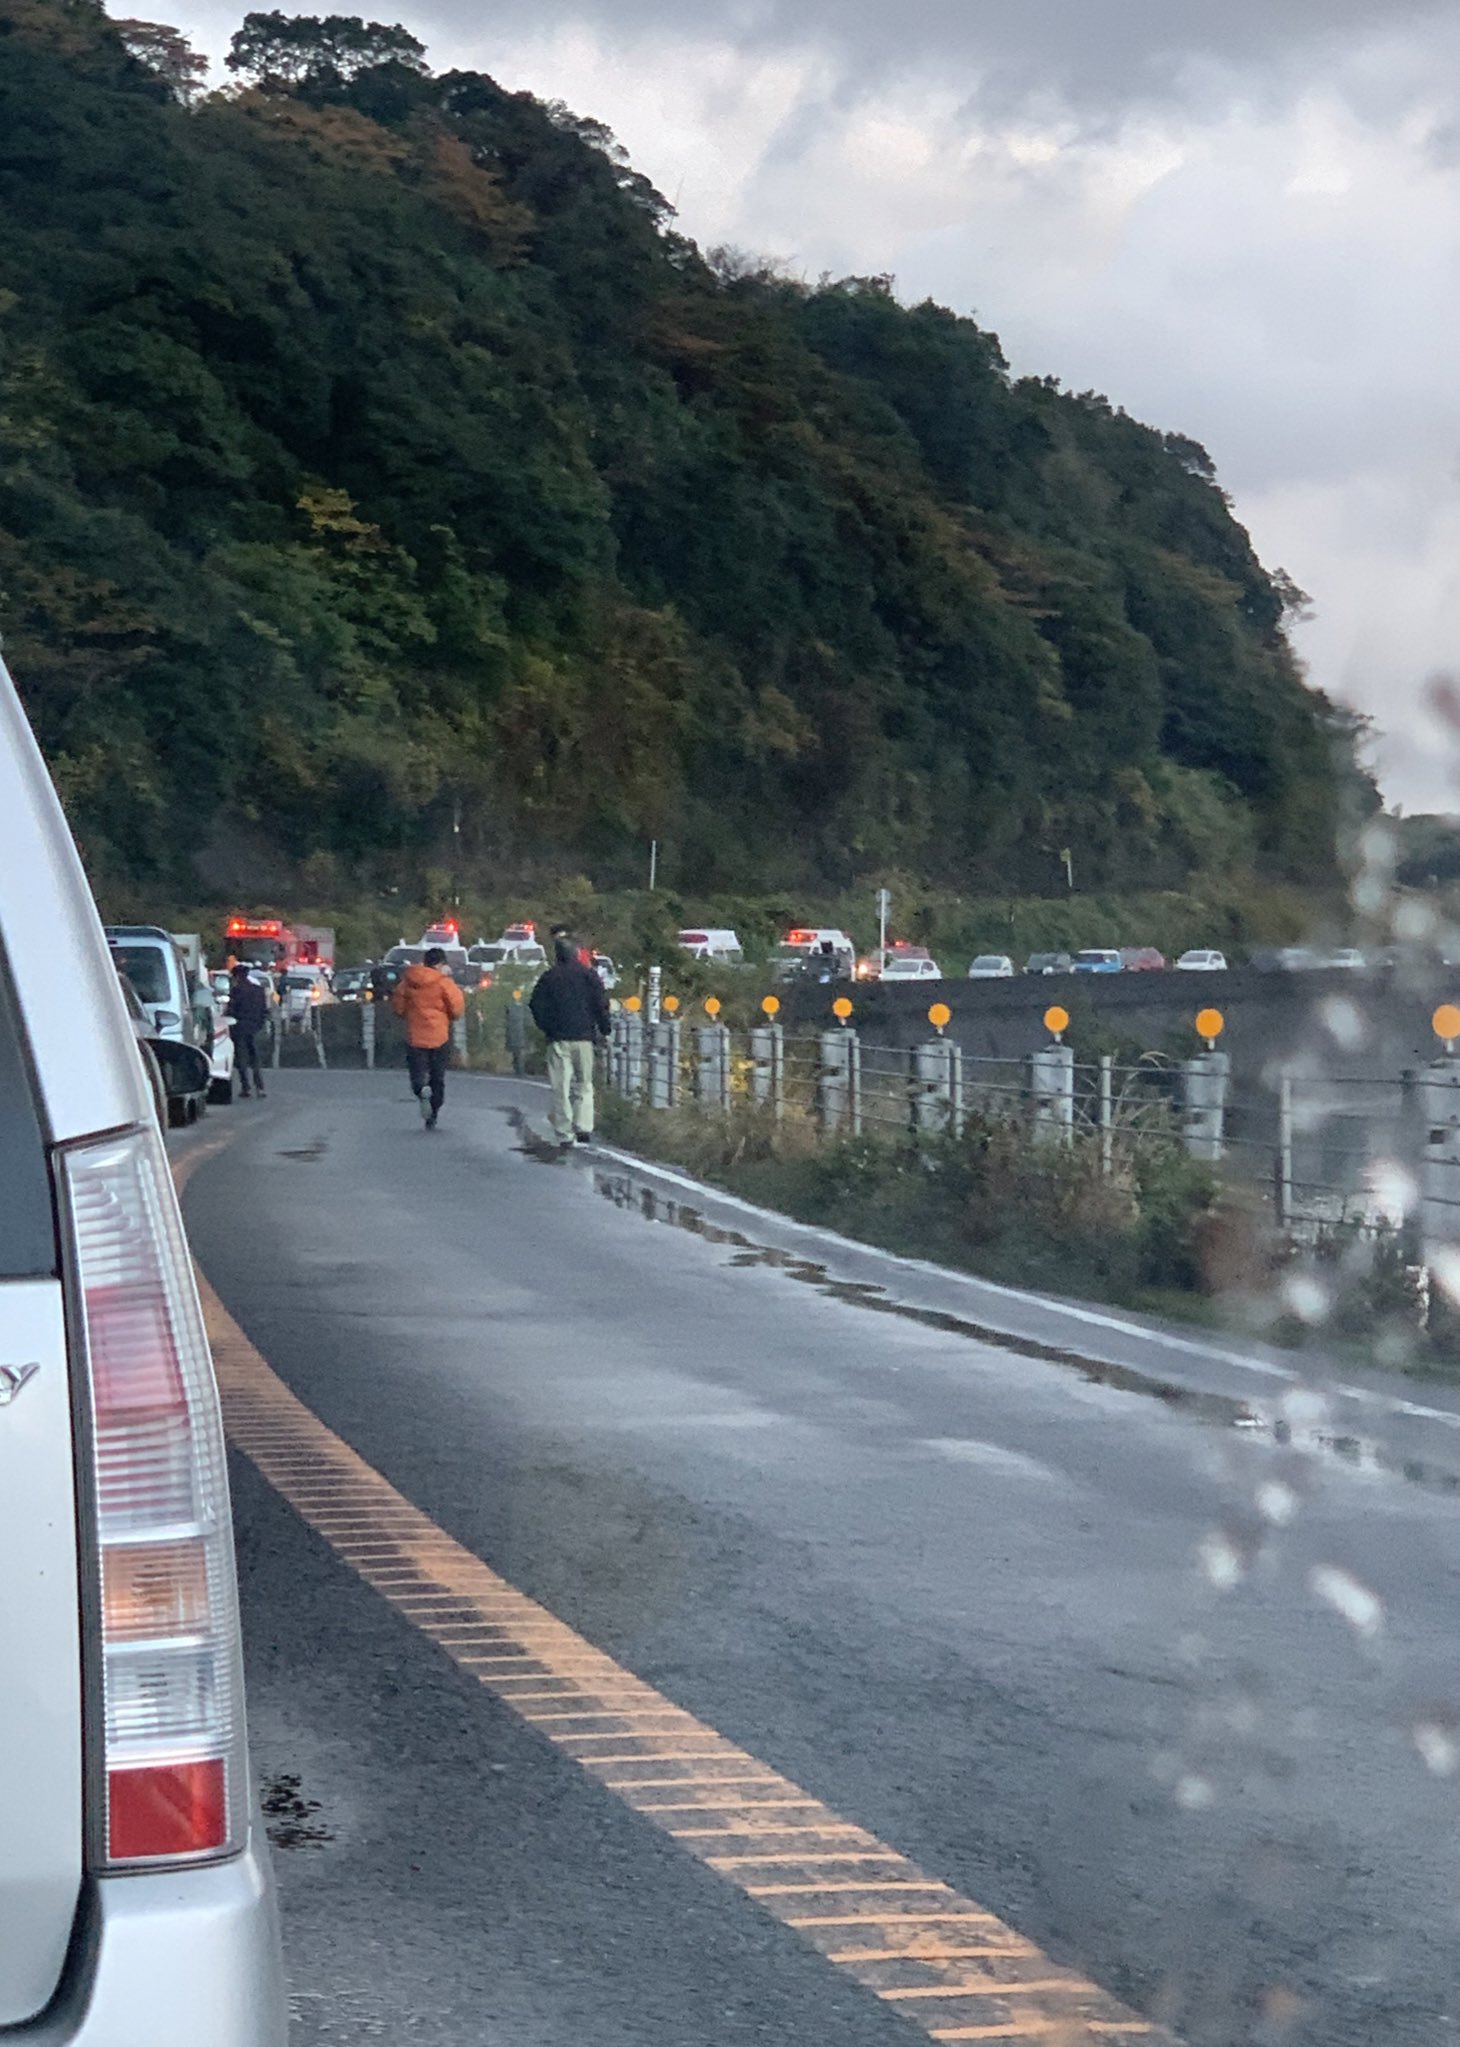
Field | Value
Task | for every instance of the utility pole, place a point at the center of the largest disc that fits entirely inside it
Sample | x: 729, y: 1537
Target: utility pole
x: 884, y: 906
x: 653, y: 863
x: 456, y: 853
x: 1069, y: 859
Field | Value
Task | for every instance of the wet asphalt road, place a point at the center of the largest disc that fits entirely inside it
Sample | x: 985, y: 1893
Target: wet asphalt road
x: 976, y: 1600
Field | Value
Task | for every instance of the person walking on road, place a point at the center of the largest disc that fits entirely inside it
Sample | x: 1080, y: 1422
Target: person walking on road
x: 515, y: 1026
x: 430, y: 1001
x: 248, y: 1005
x: 570, y: 1007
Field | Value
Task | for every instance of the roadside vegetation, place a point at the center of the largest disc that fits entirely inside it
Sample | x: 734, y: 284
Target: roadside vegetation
x: 393, y: 463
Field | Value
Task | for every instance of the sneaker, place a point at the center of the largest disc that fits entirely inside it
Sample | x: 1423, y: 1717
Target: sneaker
x: 431, y: 1120
x: 425, y: 1108
x: 584, y: 1136
x: 259, y: 1091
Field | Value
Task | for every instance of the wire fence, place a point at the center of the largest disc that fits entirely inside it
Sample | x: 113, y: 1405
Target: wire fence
x: 1319, y: 1149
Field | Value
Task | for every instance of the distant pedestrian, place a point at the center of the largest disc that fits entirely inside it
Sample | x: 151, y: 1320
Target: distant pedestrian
x: 430, y: 1001
x: 515, y: 1024
x: 570, y: 1007
x: 248, y: 1005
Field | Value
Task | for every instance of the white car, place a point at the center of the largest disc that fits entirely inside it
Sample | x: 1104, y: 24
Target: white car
x: 138, y: 1901
x: 904, y: 967
x: 1346, y: 959
x: 992, y: 966
x: 1202, y: 961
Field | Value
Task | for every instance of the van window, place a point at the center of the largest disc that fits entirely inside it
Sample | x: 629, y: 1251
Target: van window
x: 27, y: 1233
x: 145, y: 966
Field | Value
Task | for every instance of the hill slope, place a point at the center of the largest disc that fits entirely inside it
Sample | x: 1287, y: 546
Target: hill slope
x: 372, y: 448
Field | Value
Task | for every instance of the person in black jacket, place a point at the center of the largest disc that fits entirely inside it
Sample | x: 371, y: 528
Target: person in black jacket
x: 570, y: 1007
x: 248, y: 1005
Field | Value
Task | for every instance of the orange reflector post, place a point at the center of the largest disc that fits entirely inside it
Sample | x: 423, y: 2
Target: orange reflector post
x: 671, y: 1003
x: 842, y: 1007
x: 1210, y: 1024
x: 712, y: 1005
x: 1446, y: 1022
x: 1057, y: 1020
x: 167, y: 1809
x: 633, y: 1004
x: 772, y: 1005
x: 940, y: 1016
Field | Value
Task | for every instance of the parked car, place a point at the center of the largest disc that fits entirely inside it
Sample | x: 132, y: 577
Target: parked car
x: 142, y: 1033
x: 1202, y: 961
x: 827, y: 955
x: 180, y: 1026
x: 1142, y: 959
x: 302, y: 991
x: 1097, y: 960
x: 138, y: 1901
x: 906, y: 966
x: 1049, y: 963
x: 505, y: 953
x: 720, y: 945
x: 352, y: 984
x: 606, y: 971
x: 992, y: 966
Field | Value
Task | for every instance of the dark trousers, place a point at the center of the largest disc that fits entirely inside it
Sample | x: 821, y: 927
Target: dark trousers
x: 246, y: 1059
x: 427, y: 1065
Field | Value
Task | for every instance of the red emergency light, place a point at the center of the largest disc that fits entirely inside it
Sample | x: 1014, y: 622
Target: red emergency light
x: 520, y: 931
x: 445, y: 929
x: 800, y: 937
x: 255, y: 927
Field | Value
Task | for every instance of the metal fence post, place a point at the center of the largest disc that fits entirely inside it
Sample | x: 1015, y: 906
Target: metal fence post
x: 726, y: 1053
x: 854, y: 1082
x: 1440, y: 1173
x: 1052, y: 1084
x: 833, y: 1088
x: 932, y: 1095
x: 1411, y: 1154
x: 458, y: 1037
x: 778, y: 1070
x: 1204, y: 1082
x: 1107, y: 1120
x: 955, y: 1087
x: 276, y: 1025
x: 673, y: 1032
x: 633, y: 1062
x: 367, y: 1034
x: 657, y: 1049
x: 712, y: 1077
x: 1285, y: 1150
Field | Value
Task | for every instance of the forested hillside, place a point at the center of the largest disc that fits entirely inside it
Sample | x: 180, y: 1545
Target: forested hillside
x: 374, y: 451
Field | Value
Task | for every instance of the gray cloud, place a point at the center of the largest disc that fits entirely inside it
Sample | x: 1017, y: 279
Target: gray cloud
x: 1098, y: 58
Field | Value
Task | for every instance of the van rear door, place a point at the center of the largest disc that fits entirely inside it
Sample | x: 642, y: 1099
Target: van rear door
x: 41, y: 1793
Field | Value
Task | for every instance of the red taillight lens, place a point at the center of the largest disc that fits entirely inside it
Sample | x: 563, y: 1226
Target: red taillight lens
x: 173, y: 1738
x: 170, y: 1809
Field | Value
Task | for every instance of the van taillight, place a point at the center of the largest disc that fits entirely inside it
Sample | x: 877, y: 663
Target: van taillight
x: 172, y: 1755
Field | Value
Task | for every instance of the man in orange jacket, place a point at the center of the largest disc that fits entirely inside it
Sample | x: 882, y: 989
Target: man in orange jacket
x: 430, y: 1002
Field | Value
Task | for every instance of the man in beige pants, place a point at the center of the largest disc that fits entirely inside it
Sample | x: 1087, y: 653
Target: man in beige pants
x: 570, y: 1007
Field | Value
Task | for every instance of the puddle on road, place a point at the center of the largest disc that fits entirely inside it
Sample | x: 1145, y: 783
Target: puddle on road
x: 310, y: 1153
x: 289, y: 1816
x: 1358, y: 1453
x: 533, y: 1146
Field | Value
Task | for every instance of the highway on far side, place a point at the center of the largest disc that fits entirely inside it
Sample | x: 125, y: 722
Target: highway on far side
x: 659, y: 1637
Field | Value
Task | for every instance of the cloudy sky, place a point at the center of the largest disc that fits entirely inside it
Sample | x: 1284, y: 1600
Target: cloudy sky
x: 1239, y: 220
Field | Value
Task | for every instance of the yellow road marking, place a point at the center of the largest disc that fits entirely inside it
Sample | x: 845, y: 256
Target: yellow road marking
x: 434, y: 1582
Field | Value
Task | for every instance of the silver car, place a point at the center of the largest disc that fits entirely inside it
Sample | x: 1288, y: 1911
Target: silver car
x: 136, y: 1903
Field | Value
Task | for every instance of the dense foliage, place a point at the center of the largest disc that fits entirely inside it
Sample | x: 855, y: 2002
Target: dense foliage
x: 374, y: 453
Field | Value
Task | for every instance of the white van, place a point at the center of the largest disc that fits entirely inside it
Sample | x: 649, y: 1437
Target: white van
x: 721, y: 946
x: 797, y: 949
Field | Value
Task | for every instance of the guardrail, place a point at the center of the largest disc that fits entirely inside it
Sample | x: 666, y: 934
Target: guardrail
x: 1321, y: 1149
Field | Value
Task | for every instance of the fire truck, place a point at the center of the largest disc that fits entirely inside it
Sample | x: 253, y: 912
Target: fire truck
x: 269, y: 942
